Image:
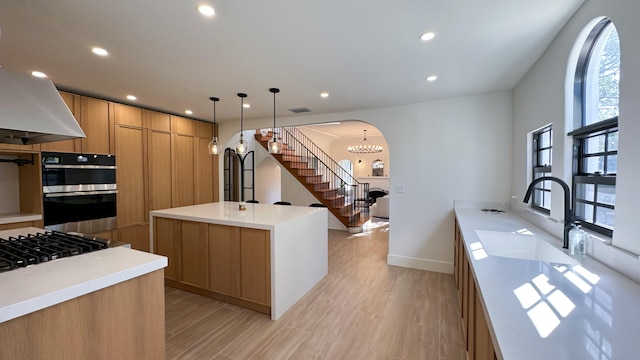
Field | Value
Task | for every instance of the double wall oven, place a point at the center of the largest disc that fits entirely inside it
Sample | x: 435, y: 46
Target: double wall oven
x: 79, y: 192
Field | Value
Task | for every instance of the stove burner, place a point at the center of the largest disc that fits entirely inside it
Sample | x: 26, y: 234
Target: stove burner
x: 33, y: 249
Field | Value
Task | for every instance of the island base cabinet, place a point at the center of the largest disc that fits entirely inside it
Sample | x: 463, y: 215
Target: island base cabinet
x: 255, y: 267
x: 479, y: 345
x: 195, y: 254
x: 124, y: 321
x: 167, y: 242
x: 227, y: 263
x: 224, y: 253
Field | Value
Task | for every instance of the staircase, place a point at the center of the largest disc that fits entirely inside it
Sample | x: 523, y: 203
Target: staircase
x: 344, y: 196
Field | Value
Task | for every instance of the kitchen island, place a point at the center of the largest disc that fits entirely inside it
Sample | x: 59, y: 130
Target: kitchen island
x: 106, y: 304
x: 523, y: 297
x: 264, y: 258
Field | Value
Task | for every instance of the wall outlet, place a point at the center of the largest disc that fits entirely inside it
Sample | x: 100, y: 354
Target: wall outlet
x: 399, y: 188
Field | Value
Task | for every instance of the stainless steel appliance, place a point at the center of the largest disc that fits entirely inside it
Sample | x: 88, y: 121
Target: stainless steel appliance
x: 79, y: 192
x: 32, y: 111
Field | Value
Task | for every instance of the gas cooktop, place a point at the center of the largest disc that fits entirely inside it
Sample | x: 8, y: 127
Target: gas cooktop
x: 24, y: 250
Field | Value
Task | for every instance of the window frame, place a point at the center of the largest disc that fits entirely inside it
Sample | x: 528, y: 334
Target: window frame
x: 541, y: 169
x: 583, y: 132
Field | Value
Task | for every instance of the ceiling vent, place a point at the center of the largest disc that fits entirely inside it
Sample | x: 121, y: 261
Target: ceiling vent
x: 300, y: 110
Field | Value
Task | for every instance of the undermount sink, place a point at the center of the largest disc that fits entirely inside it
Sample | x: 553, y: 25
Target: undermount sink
x: 521, y: 246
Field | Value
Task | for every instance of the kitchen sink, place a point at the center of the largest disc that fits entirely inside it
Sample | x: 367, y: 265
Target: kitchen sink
x: 521, y: 246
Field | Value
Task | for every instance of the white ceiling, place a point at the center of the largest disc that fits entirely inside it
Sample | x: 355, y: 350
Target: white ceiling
x: 365, y: 53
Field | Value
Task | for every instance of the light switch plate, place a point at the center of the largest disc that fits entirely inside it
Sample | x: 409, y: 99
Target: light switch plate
x: 399, y: 188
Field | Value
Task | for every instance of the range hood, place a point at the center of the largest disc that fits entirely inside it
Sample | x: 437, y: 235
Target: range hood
x: 32, y: 111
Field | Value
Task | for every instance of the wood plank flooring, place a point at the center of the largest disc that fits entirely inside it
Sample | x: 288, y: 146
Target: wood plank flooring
x: 363, y: 309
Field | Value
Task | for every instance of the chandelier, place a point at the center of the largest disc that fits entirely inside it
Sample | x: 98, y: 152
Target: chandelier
x: 364, y: 147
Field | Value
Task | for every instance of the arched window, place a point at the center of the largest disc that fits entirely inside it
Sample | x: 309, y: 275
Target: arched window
x: 595, y: 134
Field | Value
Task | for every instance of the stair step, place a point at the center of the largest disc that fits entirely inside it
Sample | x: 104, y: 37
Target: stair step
x: 320, y: 186
x: 299, y: 165
x: 305, y: 172
x: 330, y: 194
x: 292, y: 158
x: 313, y: 179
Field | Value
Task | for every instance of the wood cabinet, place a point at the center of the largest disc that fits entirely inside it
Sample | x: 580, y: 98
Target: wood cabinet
x: 94, y: 120
x: 182, y: 167
x: 228, y: 263
x: 255, y: 273
x: 167, y: 242
x: 476, y: 331
x: 130, y: 176
x: 136, y: 235
x: 160, y: 175
x: 195, y: 254
x: 123, y: 321
x: 183, y: 126
x: 205, y: 175
x: 17, y: 225
x: 162, y: 160
x: 224, y: 258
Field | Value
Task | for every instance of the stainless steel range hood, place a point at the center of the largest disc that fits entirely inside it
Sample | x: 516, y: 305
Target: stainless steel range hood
x: 32, y: 111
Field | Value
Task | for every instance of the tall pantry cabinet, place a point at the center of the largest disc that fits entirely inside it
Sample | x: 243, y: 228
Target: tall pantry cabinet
x: 162, y: 160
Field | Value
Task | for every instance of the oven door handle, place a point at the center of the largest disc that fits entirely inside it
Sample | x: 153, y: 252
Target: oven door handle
x: 80, y: 193
x: 82, y: 167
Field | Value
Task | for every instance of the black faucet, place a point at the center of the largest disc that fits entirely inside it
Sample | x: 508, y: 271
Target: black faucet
x: 568, y: 216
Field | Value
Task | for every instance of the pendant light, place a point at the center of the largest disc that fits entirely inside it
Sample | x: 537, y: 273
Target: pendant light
x: 275, y: 146
x: 241, y: 145
x: 214, y: 147
x: 364, y: 147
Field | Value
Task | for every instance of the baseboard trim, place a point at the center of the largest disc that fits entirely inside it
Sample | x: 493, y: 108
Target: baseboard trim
x: 420, y: 264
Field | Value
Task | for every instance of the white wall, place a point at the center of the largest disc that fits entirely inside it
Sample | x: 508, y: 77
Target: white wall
x: 456, y: 148
x: 541, y: 97
x: 268, y: 180
x: 363, y: 169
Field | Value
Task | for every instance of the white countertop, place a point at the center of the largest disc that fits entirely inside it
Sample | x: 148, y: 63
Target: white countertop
x: 26, y: 290
x: 15, y: 217
x: 258, y: 216
x: 541, y: 310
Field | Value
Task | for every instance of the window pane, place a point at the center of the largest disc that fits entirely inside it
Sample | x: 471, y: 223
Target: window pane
x: 545, y: 139
x: 544, y: 157
x: 603, y: 76
x: 607, y: 194
x: 585, y: 191
x: 612, y: 164
x: 594, y: 144
x: 593, y: 164
x: 538, y: 197
x: 604, y: 217
x: 613, y: 141
x: 547, y: 200
x: 584, y: 212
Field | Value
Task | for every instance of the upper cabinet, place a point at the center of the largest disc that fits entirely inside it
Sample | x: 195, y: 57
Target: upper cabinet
x: 128, y: 115
x: 183, y: 126
x: 94, y: 120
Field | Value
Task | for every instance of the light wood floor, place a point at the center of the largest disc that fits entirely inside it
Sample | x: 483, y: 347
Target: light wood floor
x: 363, y: 309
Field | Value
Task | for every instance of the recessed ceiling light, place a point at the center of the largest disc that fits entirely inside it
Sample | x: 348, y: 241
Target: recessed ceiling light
x: 324, y: 94
x: 131, y: 97
x: 99, y: 51
x: 39, y: 74
x: 246, y: 106
x: 206, y: 10
x: 188, y: 112
x: 432, y: 78
x: 427, y: 36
